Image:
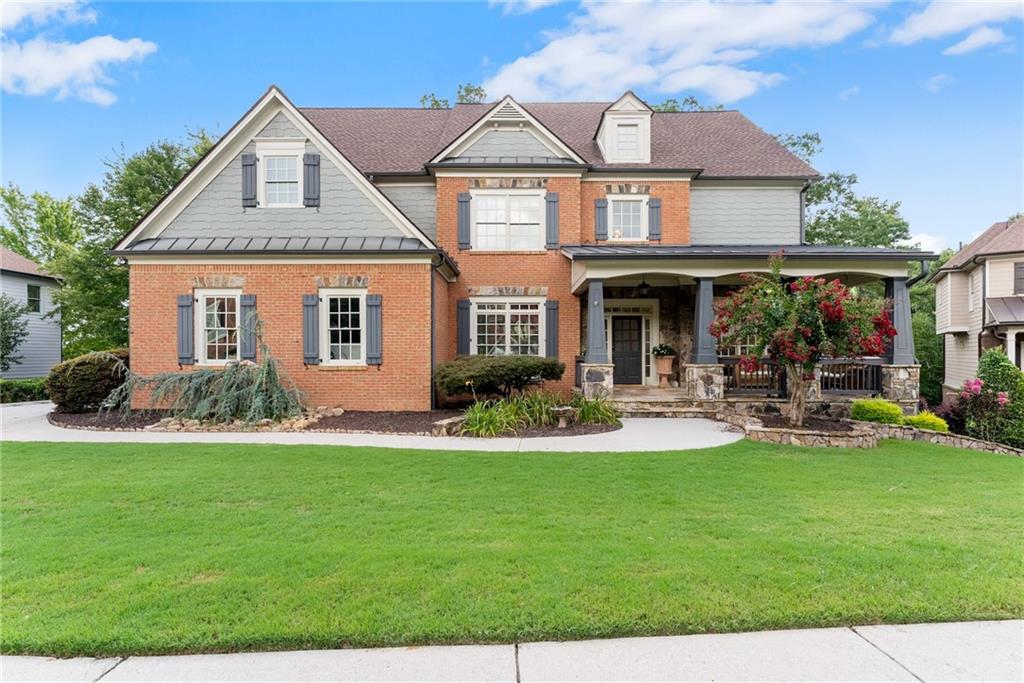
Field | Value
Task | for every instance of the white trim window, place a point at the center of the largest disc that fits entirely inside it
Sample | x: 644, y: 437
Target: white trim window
x: 508, y: 220
x: 217, y: 325
x: 507, y: 327
x: 279, y: 169
x: 970, y: 291
x: 343, y: 326
x: 627, y: 217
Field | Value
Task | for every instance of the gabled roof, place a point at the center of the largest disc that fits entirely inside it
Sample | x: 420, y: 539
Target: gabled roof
x: 13, y: 262
x: 1005, y: 237
x: 721, y: 144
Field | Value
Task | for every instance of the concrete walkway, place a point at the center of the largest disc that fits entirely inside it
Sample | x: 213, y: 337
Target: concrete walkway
x: 27, y: 422
x: 969, y: 651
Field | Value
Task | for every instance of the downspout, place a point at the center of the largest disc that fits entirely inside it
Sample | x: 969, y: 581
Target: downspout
x: 434, y: 266
x: 925, y: 267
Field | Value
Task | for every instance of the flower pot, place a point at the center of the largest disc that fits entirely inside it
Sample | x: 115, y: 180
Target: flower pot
x: 664, y: 367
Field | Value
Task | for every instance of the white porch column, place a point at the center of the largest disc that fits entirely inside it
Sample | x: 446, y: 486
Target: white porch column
x: 1011, y: 346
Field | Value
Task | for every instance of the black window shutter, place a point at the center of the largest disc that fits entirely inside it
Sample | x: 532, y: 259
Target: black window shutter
x: 462, y: 327
x: 374, y: 330
x: 654, y: 218
x: 465, y: 242
x: 186, y: 330
x: 311, y: 180
x: 551, y: 220
x: 311, y: 329
x: 247, y: 342
x: 600, y: 219
x: 551, y: 329
x: 248, y: 180
x: 1018, y: 278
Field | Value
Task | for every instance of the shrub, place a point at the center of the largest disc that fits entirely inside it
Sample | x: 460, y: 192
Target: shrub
x: 13, y: 330
x: 953, y: 415
x: 927, y: 420
x: 999, y: 374
x: 82, y: 384
x: 491, y: 418
x: 876, y: 410
x: 20, y: 390
x: 594, y: 410
x: 495, y: 375
x: 537, y: 408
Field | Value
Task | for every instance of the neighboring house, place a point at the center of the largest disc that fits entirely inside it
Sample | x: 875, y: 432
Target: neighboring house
x: 979, y: 301
x: 24, y: 281
x: 376, y: 243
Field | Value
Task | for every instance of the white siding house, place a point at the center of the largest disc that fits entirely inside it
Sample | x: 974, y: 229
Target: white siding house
x: 23, y: 281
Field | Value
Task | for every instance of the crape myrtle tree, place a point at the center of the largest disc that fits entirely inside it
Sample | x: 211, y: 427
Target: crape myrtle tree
x: 796, y: 323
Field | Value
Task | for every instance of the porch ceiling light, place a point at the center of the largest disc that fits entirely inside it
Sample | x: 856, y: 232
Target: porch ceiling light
x: 644, y: 289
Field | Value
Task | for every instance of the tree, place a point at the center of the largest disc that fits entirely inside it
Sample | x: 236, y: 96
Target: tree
x: 467, y: 93
x: 13, y: 330
x: 94, y: 296
x: 36, y: 226
x: 796, y: 324
x: 928, y: 346
x: 688, y: 103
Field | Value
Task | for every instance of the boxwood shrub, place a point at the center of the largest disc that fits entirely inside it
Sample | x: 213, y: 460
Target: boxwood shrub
x: 876, y: 410
x: 21, y: 390
x: 927, y: 420
x: 80, y: 385
x: 495, y: 375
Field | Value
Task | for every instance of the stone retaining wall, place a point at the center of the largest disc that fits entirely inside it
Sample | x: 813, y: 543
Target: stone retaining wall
x: 908, y: 433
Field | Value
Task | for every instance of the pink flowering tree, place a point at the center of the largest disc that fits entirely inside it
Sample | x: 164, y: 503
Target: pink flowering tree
x: 984, y: 409
x: 798, y: 323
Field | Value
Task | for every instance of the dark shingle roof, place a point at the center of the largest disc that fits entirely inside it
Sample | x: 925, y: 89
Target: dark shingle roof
x: 613, y: 251
x: 14, y: 262
x: 719, y: 143
x: 1000, y: 238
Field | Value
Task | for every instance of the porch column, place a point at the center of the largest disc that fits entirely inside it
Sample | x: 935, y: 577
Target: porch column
x: 902, y: 349
x: 597, y: 346
x: 705, y: 350
x: 1011, y: 347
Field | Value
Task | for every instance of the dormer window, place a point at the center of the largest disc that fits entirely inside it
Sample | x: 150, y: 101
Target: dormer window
x: 280, y: 173
x: 624, y: 135
x: 628, y: 140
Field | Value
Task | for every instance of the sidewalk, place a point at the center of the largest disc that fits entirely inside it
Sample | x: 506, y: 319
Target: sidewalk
x: 985, y: 650
x: 27, y: 422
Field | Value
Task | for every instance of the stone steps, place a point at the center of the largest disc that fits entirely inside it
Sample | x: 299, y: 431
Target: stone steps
x: 659, y: 409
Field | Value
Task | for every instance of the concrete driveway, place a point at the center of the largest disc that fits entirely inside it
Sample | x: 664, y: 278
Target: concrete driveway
x: 27, y: 422
x: 971, y: 651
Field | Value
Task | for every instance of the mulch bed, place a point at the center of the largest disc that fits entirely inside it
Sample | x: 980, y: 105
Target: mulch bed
x: 137, y: 419
x: 389, y: 422
x: 570, y: 430
x: 814, y: 424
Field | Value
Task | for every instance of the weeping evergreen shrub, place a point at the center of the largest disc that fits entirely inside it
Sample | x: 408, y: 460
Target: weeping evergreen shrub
x: 241, y: 390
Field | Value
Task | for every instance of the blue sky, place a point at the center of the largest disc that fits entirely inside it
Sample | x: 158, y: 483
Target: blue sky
x: 925, y: 102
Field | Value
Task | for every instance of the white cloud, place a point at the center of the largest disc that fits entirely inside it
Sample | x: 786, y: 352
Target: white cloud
x: 977, y: 39
x: 12, y: 14
x: 937, y: 82
x: 521, y: 6
x: 929, y: 242
x: 667, y: 47
x: 941, y: 19
x: 41, y: 65
x: 852, y: 91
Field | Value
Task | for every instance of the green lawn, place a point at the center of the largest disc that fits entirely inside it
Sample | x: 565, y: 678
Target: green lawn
x: 137, y: 548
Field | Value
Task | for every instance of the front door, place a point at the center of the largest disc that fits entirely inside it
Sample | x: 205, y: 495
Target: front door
x: 627, y: 349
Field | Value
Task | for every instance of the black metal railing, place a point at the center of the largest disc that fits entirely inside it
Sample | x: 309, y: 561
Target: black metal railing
x: 768, y: 379
x: 861, y: 377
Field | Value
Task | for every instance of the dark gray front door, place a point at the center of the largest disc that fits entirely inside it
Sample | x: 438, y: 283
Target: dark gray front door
x: 627, y: 349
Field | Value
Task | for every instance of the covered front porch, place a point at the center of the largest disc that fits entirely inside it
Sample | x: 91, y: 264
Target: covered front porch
x: 634, y: 298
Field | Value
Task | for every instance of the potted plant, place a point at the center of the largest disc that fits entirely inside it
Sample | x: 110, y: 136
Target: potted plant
x: 664, y: 355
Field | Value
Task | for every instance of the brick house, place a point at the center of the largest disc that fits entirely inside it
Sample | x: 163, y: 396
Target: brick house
x: 376, y: 243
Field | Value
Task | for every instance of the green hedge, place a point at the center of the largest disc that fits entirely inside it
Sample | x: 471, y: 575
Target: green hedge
x: 927, y: 420
x: 495, y: 375
x: 876, y: 410
x: 21, y: 390
x: 80, y: 385
x: 1000, y: 374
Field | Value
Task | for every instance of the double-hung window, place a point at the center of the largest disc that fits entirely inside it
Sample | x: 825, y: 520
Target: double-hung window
x: 508, y: 220
x: 217, y: 322
x: 628, y: 220
x: 507, y: 327
x: 280, y: 173
x: 343, y: 326
x: 34, y: 298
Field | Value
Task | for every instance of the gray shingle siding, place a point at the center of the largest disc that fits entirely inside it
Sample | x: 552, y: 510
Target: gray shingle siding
x: 345, y: 211
x: 745, y: 215
x: 418, y: 202
x: 500, y: 143
x: 41, y: 349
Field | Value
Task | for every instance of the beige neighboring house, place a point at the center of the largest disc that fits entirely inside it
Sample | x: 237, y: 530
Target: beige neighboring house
x: 979, y: 301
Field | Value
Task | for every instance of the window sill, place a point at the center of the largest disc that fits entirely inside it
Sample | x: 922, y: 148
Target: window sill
x: 323, y: 367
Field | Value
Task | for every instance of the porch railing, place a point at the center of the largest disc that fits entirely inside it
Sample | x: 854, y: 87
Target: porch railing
x: 767, y: 380
x: 859, y: 377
